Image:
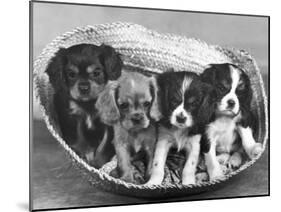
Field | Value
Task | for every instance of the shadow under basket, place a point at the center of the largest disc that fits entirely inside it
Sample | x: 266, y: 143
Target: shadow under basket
x: 149, y: 52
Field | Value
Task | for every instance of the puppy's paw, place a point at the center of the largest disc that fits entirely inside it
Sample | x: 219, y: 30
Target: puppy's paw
x: 129, y: 177
x: 155, y: 180
x: 256, y: 150
x: 215, y: 173
x: 89, y: 156
x: 235, y: 160
x: 188, y: 180
x: 133, y: 176
x: 201, y: 177
x: 223, y: 158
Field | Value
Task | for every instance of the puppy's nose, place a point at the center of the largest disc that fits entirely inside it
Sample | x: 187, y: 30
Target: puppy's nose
x: 137, y: 117
x: 181, y: 119
x: 230, y: 103
x: 84, y: 87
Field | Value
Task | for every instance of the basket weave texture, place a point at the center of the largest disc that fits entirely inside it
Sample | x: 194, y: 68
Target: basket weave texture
x: 147, y: 51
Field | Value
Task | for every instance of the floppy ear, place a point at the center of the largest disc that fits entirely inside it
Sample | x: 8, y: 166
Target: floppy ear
x: 106, y: 104
x: 207, y: 107
x: 55, y: 69
x: 112, y: 62
x: 209, y: 74
x: 155, y: 107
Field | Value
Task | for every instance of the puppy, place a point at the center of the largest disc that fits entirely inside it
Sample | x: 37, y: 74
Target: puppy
x: 184, y: 101
x: 78, y: 75
x: 232, y: 120
x: 131, y: 107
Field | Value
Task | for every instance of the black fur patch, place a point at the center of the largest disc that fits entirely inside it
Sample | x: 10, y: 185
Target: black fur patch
x: 81, y: 57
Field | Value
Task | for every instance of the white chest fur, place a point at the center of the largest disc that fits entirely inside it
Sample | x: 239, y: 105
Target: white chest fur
x: 223, y: 132
x: 181, y: 139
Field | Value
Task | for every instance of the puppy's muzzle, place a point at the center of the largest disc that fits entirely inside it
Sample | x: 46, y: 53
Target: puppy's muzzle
x: 180, y: 118
x: 84, y: 88
x: 230, y: 104
x: 137, y: 118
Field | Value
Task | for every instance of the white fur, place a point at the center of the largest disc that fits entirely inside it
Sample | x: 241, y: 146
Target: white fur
x: 235, y: 76
x: 222, y: 132
x: 159, y: 160
x: 252, y: 148
x: 181, y: 111
x: 103, y: 142
x: 193, y: 149
x: 185, y: 85
x: 182, y: 141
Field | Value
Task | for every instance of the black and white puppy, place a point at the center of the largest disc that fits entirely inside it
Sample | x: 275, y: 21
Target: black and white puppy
x: 232, y: 121
x: 78, y: 75
x: 184, y: 101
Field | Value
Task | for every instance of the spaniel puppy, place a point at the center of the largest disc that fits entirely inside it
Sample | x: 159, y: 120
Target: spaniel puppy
x: 185, y: 108
x: 78, y: 75
x: 131, y: 107
x: 232, y: 120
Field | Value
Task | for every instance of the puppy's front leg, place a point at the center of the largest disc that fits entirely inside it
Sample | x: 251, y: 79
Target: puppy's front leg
x: 213, y: 166
x: 193, y: 149
x: 124, y: 163
x: 252, y: 148
x: 159, y: 160
x: 121, y: 144
x: 81, y: 146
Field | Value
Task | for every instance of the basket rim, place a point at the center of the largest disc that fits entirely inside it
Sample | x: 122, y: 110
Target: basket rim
x: 104, y: 176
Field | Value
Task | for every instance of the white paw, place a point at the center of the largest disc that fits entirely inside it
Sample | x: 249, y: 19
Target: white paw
x: 256, y: 150
x: 215, y: 173
x: 89, y: 156
x: 235, y: 161
x: 223, y: 158
x: 153, y: 182
x: 200, y: 177
x: 188, y: 180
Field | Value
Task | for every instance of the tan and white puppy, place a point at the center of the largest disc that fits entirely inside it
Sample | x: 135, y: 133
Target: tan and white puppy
x: 131, y: 106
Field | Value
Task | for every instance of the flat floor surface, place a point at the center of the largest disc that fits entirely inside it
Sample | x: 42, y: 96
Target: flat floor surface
x: 55, y: 184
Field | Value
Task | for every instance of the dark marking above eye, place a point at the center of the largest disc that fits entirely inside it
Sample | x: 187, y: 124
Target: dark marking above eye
x: 146, y: 104
x: 241, y: 85
x: 191, y: 99
x: 72, y: 74
x: 124, y: 105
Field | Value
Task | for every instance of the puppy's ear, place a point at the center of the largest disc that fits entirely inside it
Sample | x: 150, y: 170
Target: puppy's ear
x: 207, y: 107
x: 55, y: 69
x: 155, y: 107
x: 106, y: 104
x: 111, y: 61
x: 209, y: 74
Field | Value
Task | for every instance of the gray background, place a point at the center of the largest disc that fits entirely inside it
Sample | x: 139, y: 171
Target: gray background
x: 54, y: 183
x: 242, y: 32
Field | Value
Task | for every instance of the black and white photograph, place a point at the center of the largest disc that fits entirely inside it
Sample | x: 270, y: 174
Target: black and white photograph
x: 138, y: 105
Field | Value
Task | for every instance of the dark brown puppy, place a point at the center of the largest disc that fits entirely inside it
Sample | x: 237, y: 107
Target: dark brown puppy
x: 78, y: 75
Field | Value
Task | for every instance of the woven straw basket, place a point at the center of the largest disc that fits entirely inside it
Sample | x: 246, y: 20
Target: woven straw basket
x: 151, y: 52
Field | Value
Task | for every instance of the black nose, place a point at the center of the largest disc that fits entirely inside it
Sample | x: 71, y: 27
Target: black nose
x: 181, y: 119
x: 231, y: 103
x: 137, y: 117
x: 84, y: 87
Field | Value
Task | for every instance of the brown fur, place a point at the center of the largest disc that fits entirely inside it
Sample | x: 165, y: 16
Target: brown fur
x: 134, y: 95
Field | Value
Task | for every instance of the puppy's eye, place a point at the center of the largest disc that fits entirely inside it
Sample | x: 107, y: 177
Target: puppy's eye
x: 146, y: 104
x: 96, y: 73
x: 222, y: 88
x: 193, y: 103
x: 72, y: 74
x: 241, y: 87
x: 124, y: 105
